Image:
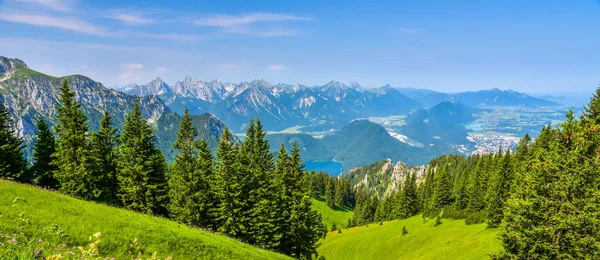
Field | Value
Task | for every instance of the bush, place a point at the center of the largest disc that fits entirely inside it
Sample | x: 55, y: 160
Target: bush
x: 404, y: 231
x: 333, y: 227
x: 339, y: 231
x: 451, y: 212
x: 476, y: 218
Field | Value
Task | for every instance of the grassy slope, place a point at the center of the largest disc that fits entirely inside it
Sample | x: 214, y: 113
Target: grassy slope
x: 80, y: 219
x: 339, y: 215
x: 450, y: 240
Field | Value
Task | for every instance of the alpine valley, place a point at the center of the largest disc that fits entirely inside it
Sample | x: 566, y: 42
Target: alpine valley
x: 334, y: 122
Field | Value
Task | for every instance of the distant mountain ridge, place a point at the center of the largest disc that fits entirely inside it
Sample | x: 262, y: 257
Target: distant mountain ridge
x: 282, y: 105
x: 279, y: 106
x: 477, y: 99
x: 443, y: 121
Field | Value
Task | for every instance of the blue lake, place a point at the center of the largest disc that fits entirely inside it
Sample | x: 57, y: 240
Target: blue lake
x: 332, y: 167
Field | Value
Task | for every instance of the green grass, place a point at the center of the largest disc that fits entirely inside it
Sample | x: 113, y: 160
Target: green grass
x: 24, y: 72
x: 450, y: 240
x: 339, y: 215
x: 80, y: 219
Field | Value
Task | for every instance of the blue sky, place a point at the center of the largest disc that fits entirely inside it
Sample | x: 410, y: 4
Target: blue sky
x: 531, y: 46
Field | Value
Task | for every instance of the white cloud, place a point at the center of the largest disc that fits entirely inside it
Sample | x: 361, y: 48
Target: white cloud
x: 70, y: 24
x: 161, y: 69
x: 56, y: 5
x: 233, y: 21
x: 130, y: 72
x: 276, y: 67
x: 131, y: 19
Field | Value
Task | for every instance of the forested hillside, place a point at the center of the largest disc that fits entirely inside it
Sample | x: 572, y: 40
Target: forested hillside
x: 244, y: 193
x: 541, y: 197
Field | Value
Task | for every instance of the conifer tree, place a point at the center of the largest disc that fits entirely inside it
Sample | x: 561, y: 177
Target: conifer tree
x: 477, y: 199
x: 142, y: 167
x: 330, y: 193
x: 12, y: 162
x: 591, y: 112
x: 104, y: 157
x: 189, y: 188
x: 229, y: 186
x: 72, y: 153
x: 443, y: 188
x: 265, y: 227
x: 302, y: 226
x: 500, y: 187
x: 340, y: 193
x: 206, y: 172
x: 409, y: 195
x: 45, y: 146
x: 462, y: 196
x: 554, y: 214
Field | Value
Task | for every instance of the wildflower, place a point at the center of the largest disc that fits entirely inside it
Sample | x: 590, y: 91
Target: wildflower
x: 55, y: 257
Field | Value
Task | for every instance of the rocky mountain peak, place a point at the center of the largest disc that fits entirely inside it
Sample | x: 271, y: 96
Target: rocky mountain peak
x: 334, y: 85
x: 8, y: 66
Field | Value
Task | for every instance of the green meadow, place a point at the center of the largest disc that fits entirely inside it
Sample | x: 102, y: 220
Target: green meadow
x: 339, y: 215
x: 42, y: 217
x: 450, y: 240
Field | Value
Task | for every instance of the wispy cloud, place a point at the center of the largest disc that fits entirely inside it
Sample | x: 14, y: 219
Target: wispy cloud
x: 131, y: 19
x: 172, y: 37
x: 249, y: 24
x: 246, y: 19
x: 56, y: 5
x: 276, y: 67
x: 130, y: 72
x: 71, y: 24
x: 160, y: 70
x: 269, y: 32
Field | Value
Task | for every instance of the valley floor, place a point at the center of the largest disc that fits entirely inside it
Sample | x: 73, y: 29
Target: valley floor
x: 453, y: 239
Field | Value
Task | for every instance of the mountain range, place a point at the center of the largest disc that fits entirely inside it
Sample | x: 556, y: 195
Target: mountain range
x: 31, y: 96
x: 336, y: 107
x: 333, y: 104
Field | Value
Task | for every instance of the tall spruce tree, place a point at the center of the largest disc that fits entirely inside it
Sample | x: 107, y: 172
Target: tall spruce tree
x: 443, y: 188
x: 303, y: 227
x: 142, y: 167
x: 229, y: 189
x: 12, y: 163
x: 409, y: 204
x: 45, y: 146
x: 189, y: 187
x: 72, y: 153
x: 477, y: 198
x: 500, y: 187
x: 104, y: 157
x: 330, y: 193
x: 265, y: 219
